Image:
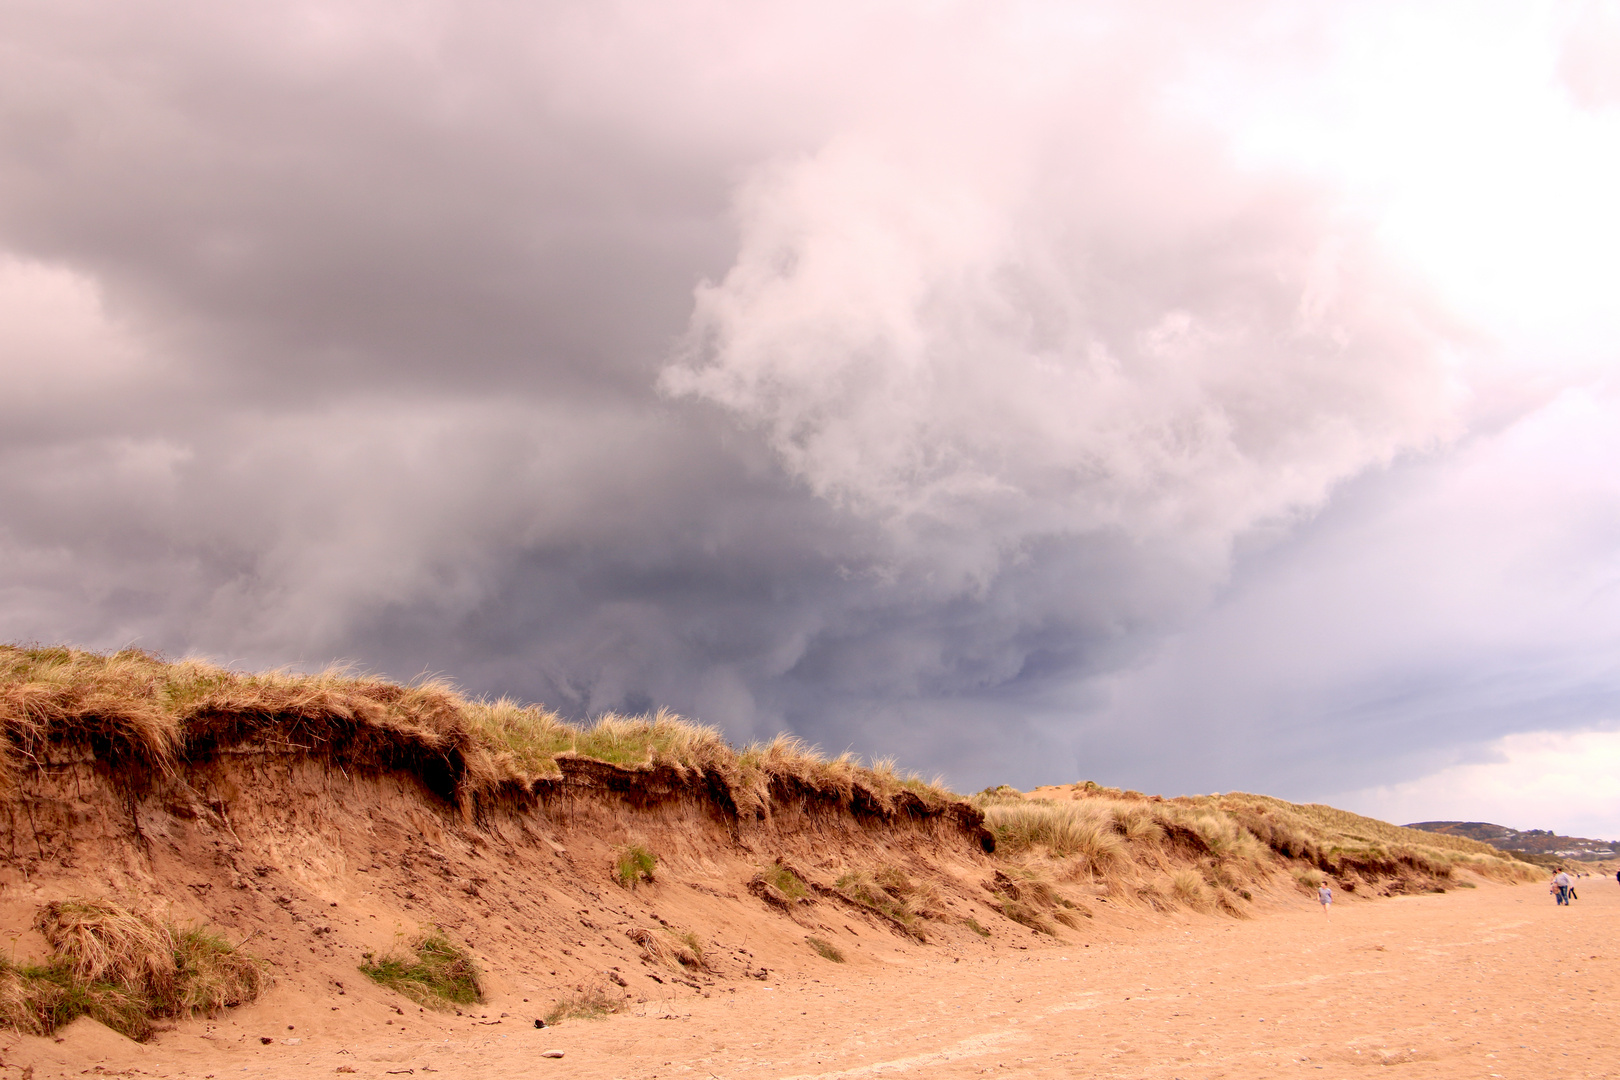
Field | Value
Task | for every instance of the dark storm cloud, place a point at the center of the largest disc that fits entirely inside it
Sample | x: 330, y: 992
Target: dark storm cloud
x: 894, y: 377
x: 320, y: 198
x: 1427, y: 613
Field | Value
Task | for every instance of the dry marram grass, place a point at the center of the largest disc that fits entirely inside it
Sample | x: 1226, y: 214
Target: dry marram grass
x: 891, y: 894
x: 588, y: 1003
x: 670, y: 948
x: 135, y: 709
x: 1206, y: 852
x: 125, y: 970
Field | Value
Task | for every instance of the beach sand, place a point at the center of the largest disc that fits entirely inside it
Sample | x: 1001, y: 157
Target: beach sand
x: 1483, y: 982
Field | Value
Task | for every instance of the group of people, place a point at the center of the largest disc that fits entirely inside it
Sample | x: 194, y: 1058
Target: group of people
x: 1563, y: 887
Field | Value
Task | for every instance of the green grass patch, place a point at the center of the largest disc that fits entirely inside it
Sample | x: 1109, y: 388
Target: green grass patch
x: 634, y: 865
x: 826, y: 949
x: 785, y: 881
x: 38, y: 999
x: 434, y: 972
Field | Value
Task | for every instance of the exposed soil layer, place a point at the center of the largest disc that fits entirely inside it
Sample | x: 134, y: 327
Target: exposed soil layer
x: 313, y: 861
x: 316, y: 863
x: 313, y: 866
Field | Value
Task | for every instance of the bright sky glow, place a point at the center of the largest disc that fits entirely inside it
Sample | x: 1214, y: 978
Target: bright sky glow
x: 1457, y: 126
x: 1569, y: 782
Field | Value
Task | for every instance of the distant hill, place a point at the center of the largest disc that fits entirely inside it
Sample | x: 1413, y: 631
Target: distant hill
x: 1541, y: 842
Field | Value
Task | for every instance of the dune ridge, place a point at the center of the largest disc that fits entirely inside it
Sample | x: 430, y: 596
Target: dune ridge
x: 328, y: 822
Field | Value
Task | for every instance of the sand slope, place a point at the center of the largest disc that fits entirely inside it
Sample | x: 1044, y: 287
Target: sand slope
x: 1494, y: 981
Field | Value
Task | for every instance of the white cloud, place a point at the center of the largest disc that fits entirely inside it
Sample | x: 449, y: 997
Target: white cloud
x: 1483, y: 136
x: 1589, y: 62
x: 1037, y: 305
x: 1568, y: 782
x: 61, y: 352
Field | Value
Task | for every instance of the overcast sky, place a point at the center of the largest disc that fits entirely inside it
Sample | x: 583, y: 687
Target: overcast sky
x: 1187, y: 396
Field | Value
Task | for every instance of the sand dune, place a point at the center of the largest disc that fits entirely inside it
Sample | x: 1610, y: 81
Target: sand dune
x: 802, y: 917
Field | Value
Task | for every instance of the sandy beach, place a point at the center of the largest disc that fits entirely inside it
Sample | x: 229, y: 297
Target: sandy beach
x: 1491, y: 981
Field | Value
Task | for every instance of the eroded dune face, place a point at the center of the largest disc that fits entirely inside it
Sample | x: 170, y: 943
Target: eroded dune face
x: 727, y: 962
x: 327, y: 826
x: 318, y: 864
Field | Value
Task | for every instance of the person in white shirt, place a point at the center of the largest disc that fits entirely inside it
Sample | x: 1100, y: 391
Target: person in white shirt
x: 1562, y: 882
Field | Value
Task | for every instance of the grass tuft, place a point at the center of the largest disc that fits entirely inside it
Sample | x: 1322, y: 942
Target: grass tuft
x: 1025, y: 914
x: 889, y: 893
x: 634, y: 865
x: 125, y: 970
x: 785, y: 881
x: 826, y: 949
x: 103, y: 942
x: 434, y: 972
x: 211, y: 975
x: 1062, y: 830
x: 589, y: 1003
x: 690, y: 946
x: 1188, y: 887
x: 672, y: 948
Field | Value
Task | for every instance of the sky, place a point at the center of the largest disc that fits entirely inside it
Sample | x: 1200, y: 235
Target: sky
x: 1190, y: 397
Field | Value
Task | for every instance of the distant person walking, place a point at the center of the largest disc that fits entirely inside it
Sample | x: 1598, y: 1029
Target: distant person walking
x: 1561, y: 884
x: 1324, y: 896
